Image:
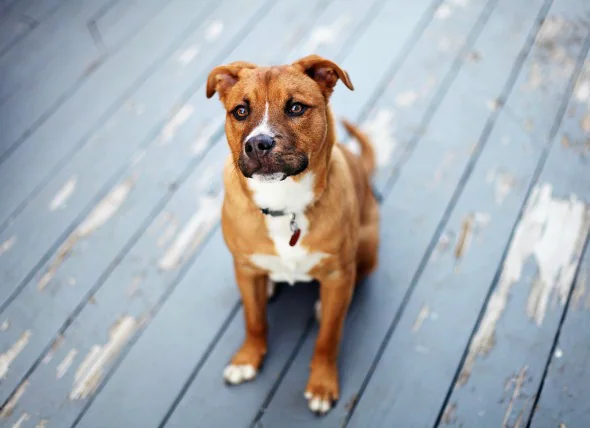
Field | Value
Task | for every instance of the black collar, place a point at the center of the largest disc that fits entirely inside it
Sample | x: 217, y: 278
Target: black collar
x: 273, y: 213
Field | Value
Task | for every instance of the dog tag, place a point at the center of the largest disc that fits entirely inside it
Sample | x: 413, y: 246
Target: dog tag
x: 296, y: 232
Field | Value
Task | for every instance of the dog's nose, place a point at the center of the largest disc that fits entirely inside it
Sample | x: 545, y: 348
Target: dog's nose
x: 259, y: 145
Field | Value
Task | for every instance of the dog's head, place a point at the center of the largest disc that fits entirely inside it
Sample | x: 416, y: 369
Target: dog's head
x: 277, y: 117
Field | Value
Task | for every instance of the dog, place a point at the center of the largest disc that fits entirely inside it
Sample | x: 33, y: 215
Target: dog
x: 298, y: 206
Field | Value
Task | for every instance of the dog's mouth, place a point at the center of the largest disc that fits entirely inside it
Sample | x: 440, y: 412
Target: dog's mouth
x: 273, y: 167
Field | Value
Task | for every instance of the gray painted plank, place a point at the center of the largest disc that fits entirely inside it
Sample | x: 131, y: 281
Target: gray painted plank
x: 146, y: 395
x: 158, y: 169
x: 425, y: 185
x: 111, y: 146
x: 522, y: 316
x: 22, y: 19
x: 421, y: 357
x: 143, y: 393
x: 61, y: 212
x: 207, y: 379
x: 564, y: 398
x: 82, y: 47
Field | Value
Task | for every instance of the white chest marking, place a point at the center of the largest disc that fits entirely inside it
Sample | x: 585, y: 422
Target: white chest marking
x: 290, y: 264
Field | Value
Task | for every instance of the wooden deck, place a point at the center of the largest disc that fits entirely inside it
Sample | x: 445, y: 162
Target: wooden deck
x: 118, y: 306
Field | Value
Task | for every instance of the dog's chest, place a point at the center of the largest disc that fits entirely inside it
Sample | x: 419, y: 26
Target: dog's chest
x: 290, y: 263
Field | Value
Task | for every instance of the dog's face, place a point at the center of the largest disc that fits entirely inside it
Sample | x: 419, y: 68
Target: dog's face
x: 276, y: 116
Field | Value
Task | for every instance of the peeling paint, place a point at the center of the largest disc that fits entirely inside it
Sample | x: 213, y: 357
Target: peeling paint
x: 448, y: 416
x: 551, y: 232
x: 422, y: 315
x: 24, y: 418
x: 380, y: 131
x: 9, y: 356
x: 5, y: 325
x: 203, y: 139
x: 63, y: 194
x: 188, y: 55
x: 7, y: 245
x: 193, y: 232
x: 181, y: 116
x: 66, y: 363
x: 54, y: 347
x: 214, y: 30
x: 581, y: 288
x: 470, y: 226
x: 326, y: 35
x: 585, y: 123
x: 443, y: 12
x: 91, y: 370
x: 42, y: 423
x: 582, y: 91
x: 10, y: 405
x: 518, y: 383
x: 406, y: 99
x: 503, y: 181
x: 105, y: 209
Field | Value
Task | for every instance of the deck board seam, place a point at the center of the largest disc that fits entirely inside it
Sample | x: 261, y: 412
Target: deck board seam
x: 534, y: 178
x: 564, y: 314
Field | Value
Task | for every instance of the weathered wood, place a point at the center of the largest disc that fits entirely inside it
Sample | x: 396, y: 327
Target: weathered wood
x: 421, y: 357
x: 75, y: 187
x: 563, y: 401
x: 22, y: 18
x: 44, y: 84
x: 159, y: 168
x: 506, y: 359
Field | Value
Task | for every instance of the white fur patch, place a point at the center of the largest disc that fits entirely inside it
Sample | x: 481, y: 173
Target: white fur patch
x: 263, y: 128
x: 236, y: 374
x: 291, y: 264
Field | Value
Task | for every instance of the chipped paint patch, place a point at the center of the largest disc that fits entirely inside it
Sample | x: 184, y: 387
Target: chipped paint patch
x: 503, y: 181
x: 551, y: 232
x: 63, y: 194
x: 214, y: 30
x: 7, y: 245
x: 326, y: 35
x: 5, y: 325
x: 188, y: 55
x: 24, y: 418
x: 66, y: 363
x: 585, y: 123
x: 516, y: 393
x: 470, y: 227
x: 193, y: 232
x: 448, y: 416
x: 582, y: 91
x: 422, y: 315
x: 205, y: 135
x: 581, y: 288
x: 380, y: 131
x: 91, y: 370
x: 443, y: 12
x: 54, y: 347
x: 42, y: 423
x: 181, y: 116
x: 406, y: 99
x: 9, y: 356
x: 105, y: 209
x: 10, y: 405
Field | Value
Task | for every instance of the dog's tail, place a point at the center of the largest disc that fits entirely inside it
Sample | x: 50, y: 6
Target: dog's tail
x: 367, y: 153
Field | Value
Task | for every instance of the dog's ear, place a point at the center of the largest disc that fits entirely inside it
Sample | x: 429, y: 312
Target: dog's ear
x: 325, y: 72
x: 223, y: 77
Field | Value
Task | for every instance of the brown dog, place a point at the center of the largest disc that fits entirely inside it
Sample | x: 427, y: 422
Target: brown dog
x: 298, y: 206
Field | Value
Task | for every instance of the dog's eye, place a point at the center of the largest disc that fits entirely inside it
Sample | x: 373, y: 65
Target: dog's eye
x: 296, y: 109
x: 241, y: 112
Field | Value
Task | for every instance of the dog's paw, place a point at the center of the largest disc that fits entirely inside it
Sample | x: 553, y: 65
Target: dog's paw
x: 235, y: 374
x: 317, y: 307
x: 322, y: 390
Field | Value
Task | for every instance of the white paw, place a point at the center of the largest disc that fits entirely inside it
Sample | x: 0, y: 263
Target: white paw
x: 236, y: 374
x: 318, y: 310
x: 317, y: 405
x: 271, y: 288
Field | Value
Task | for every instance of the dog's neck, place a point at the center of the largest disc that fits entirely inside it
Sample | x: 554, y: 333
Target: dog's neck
x: 294, y: 195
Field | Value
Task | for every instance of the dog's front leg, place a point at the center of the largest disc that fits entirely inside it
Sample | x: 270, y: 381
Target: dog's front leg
x: 247, y: 361
x: 323, y: 387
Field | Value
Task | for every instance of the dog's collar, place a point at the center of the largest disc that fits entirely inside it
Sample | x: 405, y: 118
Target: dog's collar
x: 296, y: 232
x: 273, y: 213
